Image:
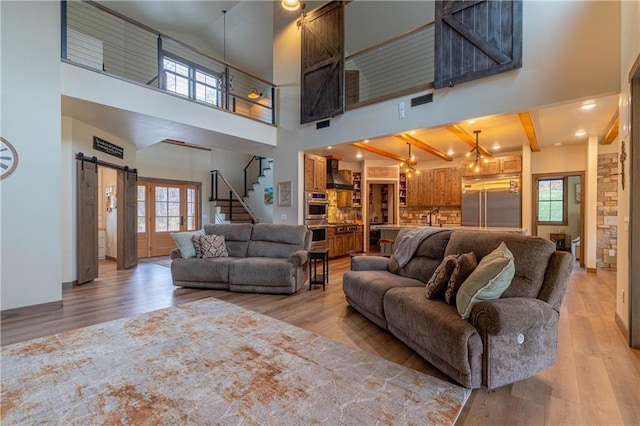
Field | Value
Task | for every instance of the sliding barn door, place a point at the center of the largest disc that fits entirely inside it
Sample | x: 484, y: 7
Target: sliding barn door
x: 127, y: 219
x: 322, y: 93
x: 475, y: 39
x: 87, y: 241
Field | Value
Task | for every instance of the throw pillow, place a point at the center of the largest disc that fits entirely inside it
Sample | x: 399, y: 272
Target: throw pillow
x: 440, y: 278
x: 208, y: 246
x: 184, y: 242
x: 465, y: 264
x: 488, y: 281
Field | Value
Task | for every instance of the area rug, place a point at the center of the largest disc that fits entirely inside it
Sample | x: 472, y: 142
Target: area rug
x: 211, y: 362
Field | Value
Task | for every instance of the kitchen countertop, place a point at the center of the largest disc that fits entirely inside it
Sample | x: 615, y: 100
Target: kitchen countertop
x: 471, y: 228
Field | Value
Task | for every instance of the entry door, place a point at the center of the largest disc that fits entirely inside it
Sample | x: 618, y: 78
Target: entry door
x: 165, y: 208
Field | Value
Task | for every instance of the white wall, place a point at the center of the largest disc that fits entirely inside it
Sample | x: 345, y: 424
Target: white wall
x: 110, y: 178
x: 30, y: 213
x: 630, y: 49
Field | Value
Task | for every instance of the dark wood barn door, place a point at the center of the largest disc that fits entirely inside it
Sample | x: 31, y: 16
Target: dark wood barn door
x: 87, y: 240
x: 475, y: 39
x: 127, y: 219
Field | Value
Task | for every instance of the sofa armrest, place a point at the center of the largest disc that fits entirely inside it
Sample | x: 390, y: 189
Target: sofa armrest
x: 299, y: 257
x: 175, y: 254
x: 369, y: 263
x: 511, y: 315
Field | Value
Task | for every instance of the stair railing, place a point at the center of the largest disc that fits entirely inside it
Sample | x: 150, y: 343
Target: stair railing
x: 246, y: 174
x: 216, y: 176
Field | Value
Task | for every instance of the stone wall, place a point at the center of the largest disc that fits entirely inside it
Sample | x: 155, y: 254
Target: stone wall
x: 420, y: 215
x: 607, y: 232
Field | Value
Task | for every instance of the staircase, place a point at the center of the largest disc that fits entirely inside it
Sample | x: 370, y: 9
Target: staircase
x: 250, y: 206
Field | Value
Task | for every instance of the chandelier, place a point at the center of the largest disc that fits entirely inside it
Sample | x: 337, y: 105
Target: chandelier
x: 409, y: 164
x: 479, y: 158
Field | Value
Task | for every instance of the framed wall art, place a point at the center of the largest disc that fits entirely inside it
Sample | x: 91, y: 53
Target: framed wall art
x: 284, y: 193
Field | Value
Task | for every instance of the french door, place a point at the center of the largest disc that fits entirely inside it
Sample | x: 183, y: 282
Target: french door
x: 165, y: 207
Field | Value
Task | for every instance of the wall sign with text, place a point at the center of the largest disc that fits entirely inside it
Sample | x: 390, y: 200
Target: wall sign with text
x: 107, y: 147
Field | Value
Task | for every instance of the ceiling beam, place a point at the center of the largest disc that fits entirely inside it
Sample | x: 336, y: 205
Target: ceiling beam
x: 529, y: 129
x: 612, y: 132
x: 468, y: 138
x: 423, y: 146
x: 378, y: 151
x: 186, y: 144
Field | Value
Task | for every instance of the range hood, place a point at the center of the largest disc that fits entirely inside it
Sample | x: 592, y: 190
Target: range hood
x: 334, y: 180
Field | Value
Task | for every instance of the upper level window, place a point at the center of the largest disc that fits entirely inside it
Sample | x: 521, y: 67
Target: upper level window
x: 552, y: 201
x: 189, y: 80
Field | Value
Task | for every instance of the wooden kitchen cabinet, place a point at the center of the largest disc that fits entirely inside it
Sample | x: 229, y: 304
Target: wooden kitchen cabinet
x: 511, y: 164
x: 358, y: 240
x: 315, y: 173
x: 426, y: 191
x: 435, y: 188
x: 491, y: 166
x: 440, y: 187
x: 455, y: 185
x: 331, y: 242
x: 413, y: 190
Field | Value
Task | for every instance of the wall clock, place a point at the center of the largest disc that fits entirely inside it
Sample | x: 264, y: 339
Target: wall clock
x: 8, y: 158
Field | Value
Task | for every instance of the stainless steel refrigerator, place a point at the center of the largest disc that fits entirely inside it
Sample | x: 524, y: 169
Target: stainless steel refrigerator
x: 492, y: 202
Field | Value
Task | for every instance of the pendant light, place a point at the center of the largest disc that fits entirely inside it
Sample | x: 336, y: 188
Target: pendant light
x: 475, y: 165
x: 409, y: 163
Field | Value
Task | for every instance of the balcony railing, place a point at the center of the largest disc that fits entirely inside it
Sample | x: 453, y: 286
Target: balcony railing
x: 396, y: 67
x: 100, y: 39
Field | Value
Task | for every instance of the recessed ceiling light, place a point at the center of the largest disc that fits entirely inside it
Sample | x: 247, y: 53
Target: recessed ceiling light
x: 366, y: 141
x: 413, y: 132
x: 471, y: 121
x: 495, y: 147
x: 557, y: 144
x: 450, y: 152
x: 589, y: 105
x: 359, y: 155
x: 329, y: 147
x: 580, y: 133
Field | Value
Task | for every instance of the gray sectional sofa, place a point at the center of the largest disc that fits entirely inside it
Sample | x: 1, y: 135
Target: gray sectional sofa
x: 503, y: 341
x: 263, y: 258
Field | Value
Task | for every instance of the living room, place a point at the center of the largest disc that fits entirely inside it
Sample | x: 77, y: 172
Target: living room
x: 52, y: 159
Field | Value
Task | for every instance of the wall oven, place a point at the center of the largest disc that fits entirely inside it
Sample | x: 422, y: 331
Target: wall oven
x: 316, y: 206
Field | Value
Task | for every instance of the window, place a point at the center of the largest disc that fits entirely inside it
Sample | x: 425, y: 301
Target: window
x: 168, y: 217
x: 552, y: 201
x: 142, y: 223
x: 187, y: 79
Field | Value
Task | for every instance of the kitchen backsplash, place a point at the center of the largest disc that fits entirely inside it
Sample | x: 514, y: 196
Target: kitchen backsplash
x: 420, y: 216
x: 337, y: 214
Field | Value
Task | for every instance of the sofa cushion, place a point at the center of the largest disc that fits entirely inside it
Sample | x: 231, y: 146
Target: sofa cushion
x: 530, y: 256
x: 236, y: 236
x: 488, y: 281
x: 432, y: 326
x: 208, y: 246
x: 276, y: 240
x: 425, y: 260
x: 262, y: 271
x: 366, y: 290
x: 213, y: 270
x: 465, y: 264
x: 437, y: 284
x: 184, y: 241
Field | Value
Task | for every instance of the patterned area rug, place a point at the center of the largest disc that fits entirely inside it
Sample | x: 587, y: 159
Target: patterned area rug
x: 212, y: 362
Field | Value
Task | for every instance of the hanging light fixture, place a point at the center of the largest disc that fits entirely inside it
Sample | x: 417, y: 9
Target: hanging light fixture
x: 409, y: 163
x: 253, y: 94
x: 479, y: 158
x: 291, y: 5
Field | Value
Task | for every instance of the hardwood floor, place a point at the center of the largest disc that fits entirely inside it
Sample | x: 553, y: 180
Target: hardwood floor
x: 595, y: 379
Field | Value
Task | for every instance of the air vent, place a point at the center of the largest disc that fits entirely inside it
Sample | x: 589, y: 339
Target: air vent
x: 421, y: 100
x: 323, y: 124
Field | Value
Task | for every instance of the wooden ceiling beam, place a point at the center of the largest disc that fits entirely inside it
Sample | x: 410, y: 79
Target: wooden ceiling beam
x: 612, y: 132
x: 529, y: 129
x: 468, y: 138
x: 423, y: 146
x: 186, y: 144
x: 378, y: 151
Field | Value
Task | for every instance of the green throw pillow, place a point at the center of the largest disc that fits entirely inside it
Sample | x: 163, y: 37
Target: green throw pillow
x: 488, y: 280
x: 185, y: 243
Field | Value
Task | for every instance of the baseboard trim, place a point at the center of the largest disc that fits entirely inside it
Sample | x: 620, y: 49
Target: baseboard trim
x: 623, y: 328
x: 592, y: 270
x: 69, y: 284
x: 111, y: 258
x: 30, y: 310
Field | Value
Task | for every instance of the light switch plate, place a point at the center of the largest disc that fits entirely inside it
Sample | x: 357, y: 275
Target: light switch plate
x: 283, y: 217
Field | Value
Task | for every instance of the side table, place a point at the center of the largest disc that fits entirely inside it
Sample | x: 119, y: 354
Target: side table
x: 315, y: 256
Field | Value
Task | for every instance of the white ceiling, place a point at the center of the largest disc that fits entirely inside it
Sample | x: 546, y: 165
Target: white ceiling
x: 555, y: 124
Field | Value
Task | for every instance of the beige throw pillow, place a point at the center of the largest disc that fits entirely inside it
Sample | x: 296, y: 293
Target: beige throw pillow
x: 441, y: 276
x: 488, y: 281
x: 465, y: 264
x: 208, y: 246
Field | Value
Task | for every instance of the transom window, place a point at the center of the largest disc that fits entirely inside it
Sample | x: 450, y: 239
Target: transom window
x: 552, y: 201
x: 186, y: 79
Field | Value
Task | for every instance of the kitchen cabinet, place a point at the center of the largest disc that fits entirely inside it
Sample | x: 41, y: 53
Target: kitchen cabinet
x: 435, y: 188
x: 357, y: 190
x: 331, y: 242
x: 493, y: 166
x: 511, y: 164
x: 402, y: 190
x: 413, y: 190
x: 455, y: 185
x: 344, y: 243
x: 358, y: 240
x: 315, y: 173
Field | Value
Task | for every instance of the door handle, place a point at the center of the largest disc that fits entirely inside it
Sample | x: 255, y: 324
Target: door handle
x: 181, y: 220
